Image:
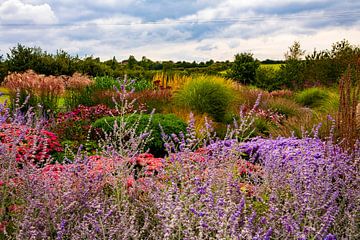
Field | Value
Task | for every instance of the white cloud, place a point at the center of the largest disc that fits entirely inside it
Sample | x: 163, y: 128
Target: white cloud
x: 15, y: 11
x: 114, y: 30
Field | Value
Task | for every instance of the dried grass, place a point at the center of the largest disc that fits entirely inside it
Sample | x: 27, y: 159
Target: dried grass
x: 347, y: 121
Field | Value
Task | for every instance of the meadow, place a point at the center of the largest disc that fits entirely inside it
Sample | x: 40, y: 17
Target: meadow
x: 176, y: 157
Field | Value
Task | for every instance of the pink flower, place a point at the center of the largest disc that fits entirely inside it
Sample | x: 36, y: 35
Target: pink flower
x: 130, y: 182
x: 3, y: 226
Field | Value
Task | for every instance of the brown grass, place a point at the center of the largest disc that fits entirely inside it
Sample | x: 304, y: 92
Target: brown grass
x: 347, y: 124
x: 76, y: 82
x: 33, y: 83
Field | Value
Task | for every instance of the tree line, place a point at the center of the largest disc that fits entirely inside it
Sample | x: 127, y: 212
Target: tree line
x: 297, y: 71
x: 319, y: 68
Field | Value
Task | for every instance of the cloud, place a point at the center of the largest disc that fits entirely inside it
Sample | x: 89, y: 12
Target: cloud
x: 17, y: 12
x: 178, y: 30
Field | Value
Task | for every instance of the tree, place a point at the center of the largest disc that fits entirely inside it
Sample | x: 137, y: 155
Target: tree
x: 243, y: 69
x: 22, y: 58
x: 292, y: 72
x: 132, y: 62
x: 3, y: 69
x: 295, y: 52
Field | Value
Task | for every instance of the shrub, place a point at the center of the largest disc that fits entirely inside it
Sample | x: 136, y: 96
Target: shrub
x: 243, y: 69
x: 75, y: 125
x: 268, y: 78
x: 168, y: 122
x: 312, y: 97
x: 205, y: 94
x: 33, y: 146
x: 248, y: 95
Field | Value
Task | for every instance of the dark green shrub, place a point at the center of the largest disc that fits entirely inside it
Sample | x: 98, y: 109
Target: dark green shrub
x: 206, y: 94
x: 312, y: 97
x: 243, y: 69
x: 169, y: 123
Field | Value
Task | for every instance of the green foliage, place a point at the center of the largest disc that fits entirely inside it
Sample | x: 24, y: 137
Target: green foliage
x: 101, y: 91
x: 77, y: 97
x: 92, y: 94
x: 244, y: 68
x: 312, y: 97
x: 291, y: 74
x: 326, y: 67
x: 205, y: 94
x: 22, y: 58
x: 268, y: 78
x: 295, y: 52
x: 3, y: 69
x: 93, y: 67
x: 142, y: 84
x: 105, y: 83
x: 170, y: 123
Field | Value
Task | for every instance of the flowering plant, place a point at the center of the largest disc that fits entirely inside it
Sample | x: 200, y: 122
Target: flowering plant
x: 32, y: 146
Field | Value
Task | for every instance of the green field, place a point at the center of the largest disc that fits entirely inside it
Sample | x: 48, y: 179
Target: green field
x: 275, y: 66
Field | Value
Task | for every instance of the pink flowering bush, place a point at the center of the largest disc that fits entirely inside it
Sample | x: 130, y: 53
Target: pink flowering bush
x: 79, y: 120
x: 32, y: 146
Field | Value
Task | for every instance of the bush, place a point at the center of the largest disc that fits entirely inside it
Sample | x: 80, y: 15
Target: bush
x: 268, y: 78
x: 312, y: 97
x: 169, y: 123
x: 244, y: 68
x: 78, y: 121
x: 206, y: 94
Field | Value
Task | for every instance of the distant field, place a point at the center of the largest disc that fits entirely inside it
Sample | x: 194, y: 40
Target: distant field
x: 275, y: 66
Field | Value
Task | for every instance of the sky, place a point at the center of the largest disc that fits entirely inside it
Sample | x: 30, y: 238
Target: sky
x: 178, y: 29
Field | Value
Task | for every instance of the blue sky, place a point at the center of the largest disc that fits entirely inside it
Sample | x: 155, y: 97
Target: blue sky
x: 178, y: 30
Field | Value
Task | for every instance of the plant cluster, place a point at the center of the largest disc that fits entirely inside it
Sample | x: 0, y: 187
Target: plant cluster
x: 203, y: 189
x: 154, y: 124
x: 32, y: 146
x: 37, y: 89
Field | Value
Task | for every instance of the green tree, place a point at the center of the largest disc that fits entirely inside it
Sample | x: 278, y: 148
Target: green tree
x: 326, y: 67
x: 22, y: 58
x: 132, y: 62
x: 3, y: 69
x: 292, y: 72
x: 295, y: 52
x: 243, y: 69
